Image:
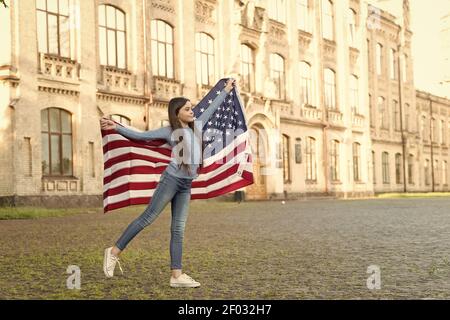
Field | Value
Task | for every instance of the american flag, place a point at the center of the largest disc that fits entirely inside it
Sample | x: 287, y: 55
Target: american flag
x: 132, y: 168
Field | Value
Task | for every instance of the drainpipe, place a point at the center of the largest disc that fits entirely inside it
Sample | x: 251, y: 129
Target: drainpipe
x: 400, y: 101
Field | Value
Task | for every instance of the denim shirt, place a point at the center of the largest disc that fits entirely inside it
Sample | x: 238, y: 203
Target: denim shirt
x: 191, y: 144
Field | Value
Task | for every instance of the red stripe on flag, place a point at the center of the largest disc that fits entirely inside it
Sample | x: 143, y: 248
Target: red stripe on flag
x: 133, y: 156
x: 129, y: 186
x: 133, y: 170
x: 126, y: 144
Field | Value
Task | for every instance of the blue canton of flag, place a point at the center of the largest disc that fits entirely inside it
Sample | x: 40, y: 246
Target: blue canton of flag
x: 225, y: 124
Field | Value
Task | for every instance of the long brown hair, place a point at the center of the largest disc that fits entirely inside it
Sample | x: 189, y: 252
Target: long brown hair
x: 175, y: 104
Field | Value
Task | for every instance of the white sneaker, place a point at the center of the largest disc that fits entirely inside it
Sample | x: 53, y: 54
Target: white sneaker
x: 183, y: 281
x: 109, y: 263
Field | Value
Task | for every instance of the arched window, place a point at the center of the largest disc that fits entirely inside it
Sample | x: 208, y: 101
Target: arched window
x: 56, y: 142
x: 247, y: 68
x: 392, y: 64
x: 443, y: 138
x: 277, y: 75
x: 383, y: 113
x: 433, y: 130
x: 356, y: 161
x: 204, y: 53
x: 404, y: 64
x: 427, y: 172
x: 411, y: 169
x: 311, y: 161
x: 385, y: 167
x: 286, y: 159
x: 374, y: 168
x: 424, y: 128
x: 398, y: 168
x: 396, y: 108
x: 327, y: 20
x: 436, y: 174
x: 444, y: 173
x: 112, y: 36
x: 305, y: 83
x: 335, y: 174
x: 352, y: 27
x: 162, y: 49
x: 330, y: 89
x: 121, y: 119
x: 379, y: 59
x: 53, y: 27
x: 407, y: 117
x: 372, y: 116
x: 354, y: 96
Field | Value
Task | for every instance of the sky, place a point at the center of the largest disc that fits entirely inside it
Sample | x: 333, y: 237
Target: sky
x: 426, y: 45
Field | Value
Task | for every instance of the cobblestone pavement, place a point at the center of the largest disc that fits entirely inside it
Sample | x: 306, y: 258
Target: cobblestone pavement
x: 317, y: 249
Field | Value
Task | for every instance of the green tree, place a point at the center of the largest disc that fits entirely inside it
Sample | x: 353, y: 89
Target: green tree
x: 4, y: 3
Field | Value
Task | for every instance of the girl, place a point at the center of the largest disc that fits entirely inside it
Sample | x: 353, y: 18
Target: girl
x: 174, y: 185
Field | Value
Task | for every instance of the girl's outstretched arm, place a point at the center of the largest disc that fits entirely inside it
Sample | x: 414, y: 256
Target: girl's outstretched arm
x: 161, y: 133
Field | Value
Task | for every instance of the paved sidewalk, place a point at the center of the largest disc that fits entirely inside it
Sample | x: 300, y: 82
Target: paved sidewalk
x: 253, y: 250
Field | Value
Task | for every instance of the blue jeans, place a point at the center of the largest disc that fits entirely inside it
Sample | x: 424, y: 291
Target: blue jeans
x: 170, y: 188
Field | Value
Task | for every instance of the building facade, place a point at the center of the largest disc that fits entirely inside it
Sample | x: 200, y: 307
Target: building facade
x: 327, y: 86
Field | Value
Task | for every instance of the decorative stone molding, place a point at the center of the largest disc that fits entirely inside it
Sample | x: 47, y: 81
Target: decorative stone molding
x: 335, y: 117
x: 164, y: 5
x: 310, y: 113
x: 165, y: 89
x: 121, y: 98
x: 60, y: 185
x: 277, y: 33
x: 59, y: 68
x: 353, y: 56
x: 116, y: 79
x: 61, y: 91
x: 284, y: 107
x: 329, y: 49
x: 8, y: 75
x: 358, y: 120
x: 304, y: 40
x: 160, y: 105
x: 204, y: 11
